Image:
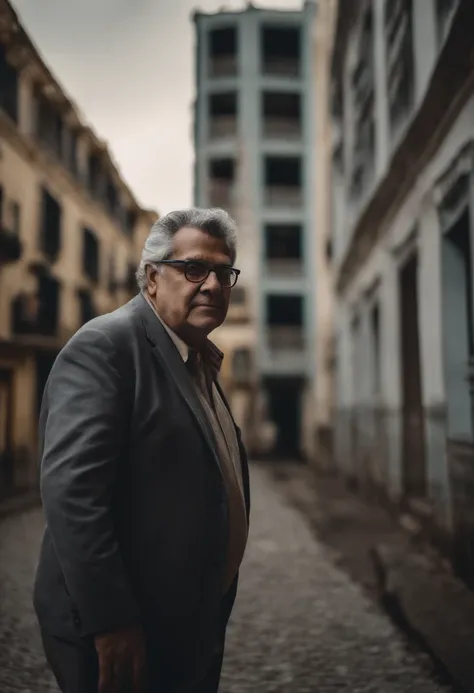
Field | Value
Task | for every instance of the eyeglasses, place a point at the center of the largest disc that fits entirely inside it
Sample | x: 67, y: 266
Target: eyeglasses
x: 196, y: 271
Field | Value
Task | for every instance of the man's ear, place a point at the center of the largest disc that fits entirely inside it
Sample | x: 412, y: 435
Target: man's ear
x: 152, y: 276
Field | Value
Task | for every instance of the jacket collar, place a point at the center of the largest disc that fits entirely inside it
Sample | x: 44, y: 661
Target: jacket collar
x: 211, y: 355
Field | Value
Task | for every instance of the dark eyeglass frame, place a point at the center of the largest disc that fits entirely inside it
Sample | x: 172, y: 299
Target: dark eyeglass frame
x: 207, y: 269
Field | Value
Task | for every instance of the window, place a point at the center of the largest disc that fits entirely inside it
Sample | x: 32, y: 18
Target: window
x: 445, y: 11
x: 281, y: 114
x: 223, y: 115
x: 223, y: 52
x: 400, y: 59
x: 8, y: 86
x: 281, y: 51
x: 49, y: 126
x: 363, y: 87
x: 15, y: 217
x: 50, y: 229
x: 90, y: 255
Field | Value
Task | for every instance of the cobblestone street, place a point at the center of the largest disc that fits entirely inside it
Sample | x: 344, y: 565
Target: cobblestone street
x: 300, y: 625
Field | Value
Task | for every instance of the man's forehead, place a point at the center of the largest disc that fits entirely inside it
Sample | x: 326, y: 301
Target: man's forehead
x: 197, y: 244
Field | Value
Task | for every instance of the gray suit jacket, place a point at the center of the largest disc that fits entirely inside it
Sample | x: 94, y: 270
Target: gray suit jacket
x: 134, y: 498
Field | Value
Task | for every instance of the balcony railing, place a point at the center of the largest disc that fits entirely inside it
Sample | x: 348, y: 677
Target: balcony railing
x: 29, y: 317
x: 10, y: 246
x: 283, y: 196
x: 282, y: 127
x: 284, y: 267
x: 286, y: 338
x: 223, y: 66
x: 222, y: 126
x: 281, y: 67
x: 221, y: 195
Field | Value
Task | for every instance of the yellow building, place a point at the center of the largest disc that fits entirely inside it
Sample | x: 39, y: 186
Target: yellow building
x: 71, y: 234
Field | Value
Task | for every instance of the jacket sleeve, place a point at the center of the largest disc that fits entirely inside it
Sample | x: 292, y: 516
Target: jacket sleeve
x: 84, y: 438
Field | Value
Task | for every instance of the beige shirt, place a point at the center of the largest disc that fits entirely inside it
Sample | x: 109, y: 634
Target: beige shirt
x: 228, y: 451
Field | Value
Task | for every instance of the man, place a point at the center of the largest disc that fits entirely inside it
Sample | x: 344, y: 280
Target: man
x: 144, y: 479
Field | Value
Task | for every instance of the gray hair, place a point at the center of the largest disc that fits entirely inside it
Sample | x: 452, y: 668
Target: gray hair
x: 159, y: 243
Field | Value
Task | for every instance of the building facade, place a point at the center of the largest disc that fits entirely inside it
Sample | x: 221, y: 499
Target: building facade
x: 71, y: 233
x: 254, y: 149
x: 403, y: 241
x: 323, y: 38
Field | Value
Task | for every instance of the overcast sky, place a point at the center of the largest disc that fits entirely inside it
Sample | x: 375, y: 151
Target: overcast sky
x: 129, y: 66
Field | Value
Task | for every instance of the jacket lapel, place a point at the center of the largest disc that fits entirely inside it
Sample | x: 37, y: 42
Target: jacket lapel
x: 168, y: 356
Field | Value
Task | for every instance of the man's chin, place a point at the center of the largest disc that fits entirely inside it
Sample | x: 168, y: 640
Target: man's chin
x: 206, y: 323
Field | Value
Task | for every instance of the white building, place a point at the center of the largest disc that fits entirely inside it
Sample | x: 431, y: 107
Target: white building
x: 403, y: 243
x: 254, y: 156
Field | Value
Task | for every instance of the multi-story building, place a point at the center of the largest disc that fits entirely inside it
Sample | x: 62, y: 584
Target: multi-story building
x: 403, y: 239
x: 70, y: 237
x: 254, y: 144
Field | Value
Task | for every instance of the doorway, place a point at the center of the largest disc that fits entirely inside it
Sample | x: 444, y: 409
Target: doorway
x: 6, y: 424
x: 458, y: 327
x: 413, y: 426
x: 285, y: 404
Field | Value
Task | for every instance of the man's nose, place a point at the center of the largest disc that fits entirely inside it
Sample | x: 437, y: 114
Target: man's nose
x: 211, y: 283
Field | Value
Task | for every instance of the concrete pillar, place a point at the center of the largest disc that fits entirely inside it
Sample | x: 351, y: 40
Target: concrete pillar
x: 382, y: 131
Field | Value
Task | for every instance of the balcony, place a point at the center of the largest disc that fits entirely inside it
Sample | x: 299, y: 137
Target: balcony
x: 290, y: 268
x: 36, y: 314
x: 223, y: 52
x: 286, y: 338
x: 221, y: 183
x: 221, y: 127
x: 281, y: 48
x: 10, y: 246
x: 274, y: 66
x: 283, y: 196
x: 223, y: 66
x: 282, y: 128
x: 283, y: 181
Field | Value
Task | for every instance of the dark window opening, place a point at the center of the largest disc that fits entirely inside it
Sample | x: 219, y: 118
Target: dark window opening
x: 49, y: 126
x: 8, y: 87
x: 445, y: 10
x: 281, y: 114
x: 400, y: 58
x: 223, y: 114
x: 281, y: 51
x: 50, y: 230
x: 283, y: 181
x: 39, y: 313
x: 285, y: 323
x: 223, y: 52
x: 48, y: 309
x: 86, y: 307
x: 283, y: 247
x: 285, y: 310
x: 363, y: 87
x: 112, y: 197
x: 112, y: 275
x: 460, y: 239
x: 131, y: 218
x: 95, y: 176
x: 71, y: 151
x: 221, y: 182
x: 90, y: 255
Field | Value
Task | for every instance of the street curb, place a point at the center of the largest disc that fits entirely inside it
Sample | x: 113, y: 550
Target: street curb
x: 436, y: 607
x: 19, y: 504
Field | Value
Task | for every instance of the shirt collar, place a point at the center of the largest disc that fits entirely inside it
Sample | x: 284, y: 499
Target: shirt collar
x: 210, y: 354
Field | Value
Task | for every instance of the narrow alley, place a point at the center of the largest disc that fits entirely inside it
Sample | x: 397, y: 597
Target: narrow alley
x: 300, y: 625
